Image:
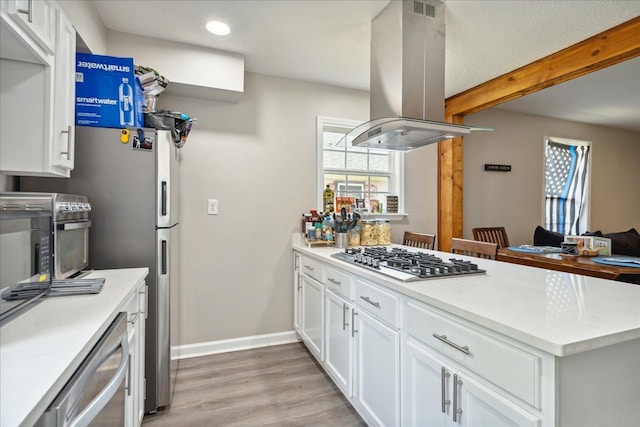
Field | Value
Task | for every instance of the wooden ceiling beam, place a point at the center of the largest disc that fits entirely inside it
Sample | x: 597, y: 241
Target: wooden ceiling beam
x: 602, y: 50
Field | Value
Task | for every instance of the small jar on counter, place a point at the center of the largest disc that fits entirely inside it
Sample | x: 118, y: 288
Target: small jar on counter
x: 384, y: 232
x: 354, y: 236
x: 368, y: 233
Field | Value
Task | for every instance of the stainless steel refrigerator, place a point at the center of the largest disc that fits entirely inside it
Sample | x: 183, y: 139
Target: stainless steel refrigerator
x: 132, y: 184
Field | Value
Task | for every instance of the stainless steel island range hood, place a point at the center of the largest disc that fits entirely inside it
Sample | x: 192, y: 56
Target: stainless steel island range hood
x: 407, y: 79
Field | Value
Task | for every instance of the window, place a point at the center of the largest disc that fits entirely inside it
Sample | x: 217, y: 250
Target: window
x: 567, y: 164
x: 360, y: 173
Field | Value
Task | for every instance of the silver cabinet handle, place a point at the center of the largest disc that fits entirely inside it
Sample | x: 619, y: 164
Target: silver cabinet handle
x: 143, y: 292
x: 146, y: 301
x: 443, y: 380
x: 308, y: 267
x: 444, y: 339
x: 345, y: 307
x: 353, y: 322
x: 456, y: 410
x: 129, y: 379
x: 332, y: 280
x: 68, y: 132
x: 373, y: 303
x: 29, y: 11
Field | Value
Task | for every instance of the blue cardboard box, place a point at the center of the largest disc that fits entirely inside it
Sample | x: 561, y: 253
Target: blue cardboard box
x: 108, y: 93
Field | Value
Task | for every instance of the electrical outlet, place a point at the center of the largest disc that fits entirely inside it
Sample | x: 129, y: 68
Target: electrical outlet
x: 212, y: 207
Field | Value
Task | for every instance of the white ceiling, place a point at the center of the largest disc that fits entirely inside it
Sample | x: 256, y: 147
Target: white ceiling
x: 327, y: 41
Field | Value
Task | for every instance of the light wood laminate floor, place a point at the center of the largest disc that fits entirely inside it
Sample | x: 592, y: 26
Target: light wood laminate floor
x: 271, y: 386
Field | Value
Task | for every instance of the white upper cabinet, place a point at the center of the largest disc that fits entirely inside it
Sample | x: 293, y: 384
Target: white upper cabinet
x: 64, y: 95
x: 36, y: 18
x: 37, y: 89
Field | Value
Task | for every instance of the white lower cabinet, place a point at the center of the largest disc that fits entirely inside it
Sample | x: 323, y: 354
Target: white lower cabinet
x: 435, y: 393
x: 423, y: 393
x: 338, y: 344
x: 297, y: 292
x: 378, y: 371
x: 403, y: 362
x: 311, y: 315
x: 135, y: 387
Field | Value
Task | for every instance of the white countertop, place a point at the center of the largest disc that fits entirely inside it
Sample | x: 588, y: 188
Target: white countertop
x: 41, y: 348
x: 559, y: 313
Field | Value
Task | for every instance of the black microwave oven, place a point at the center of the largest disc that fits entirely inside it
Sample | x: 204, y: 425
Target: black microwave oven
x: 25, y: 257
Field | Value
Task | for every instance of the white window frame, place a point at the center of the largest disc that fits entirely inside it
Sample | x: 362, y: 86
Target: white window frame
x: 396, y: 171
x: 587, y: 194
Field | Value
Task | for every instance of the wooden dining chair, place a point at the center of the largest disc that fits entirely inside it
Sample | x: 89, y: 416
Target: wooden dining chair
x: 474, y: 248
x: 419, y: 240
x: 491, y: 234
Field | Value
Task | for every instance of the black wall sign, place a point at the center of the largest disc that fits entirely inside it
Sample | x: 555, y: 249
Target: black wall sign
x: 497, y: 168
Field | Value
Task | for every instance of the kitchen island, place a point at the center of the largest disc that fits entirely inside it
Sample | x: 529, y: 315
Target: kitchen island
x: 515, y: 346
x: 41, y: 348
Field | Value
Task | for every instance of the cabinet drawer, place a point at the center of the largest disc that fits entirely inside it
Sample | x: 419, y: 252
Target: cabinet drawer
x: 312, y: 268
x: 339, y: 282
x: 512, y: 368
x: 379, y: 302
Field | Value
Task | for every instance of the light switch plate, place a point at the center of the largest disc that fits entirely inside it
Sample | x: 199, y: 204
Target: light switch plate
x: 212, y: 206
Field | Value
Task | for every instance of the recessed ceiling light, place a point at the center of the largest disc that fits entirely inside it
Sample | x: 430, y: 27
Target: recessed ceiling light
x: 218, y: 28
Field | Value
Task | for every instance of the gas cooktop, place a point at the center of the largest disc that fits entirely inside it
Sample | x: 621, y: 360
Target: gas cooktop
x: 407, y: 266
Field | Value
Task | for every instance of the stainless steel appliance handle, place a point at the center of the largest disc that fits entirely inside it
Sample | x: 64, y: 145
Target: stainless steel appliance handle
x: 444, y: 339
x: 164, y: 257
x: 74, y: 225
x: 102, y: 399
x: 29, y: 11
x: 163, y: 207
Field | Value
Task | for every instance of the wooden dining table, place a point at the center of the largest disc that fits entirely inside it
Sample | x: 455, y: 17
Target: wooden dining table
x: 577, y: 265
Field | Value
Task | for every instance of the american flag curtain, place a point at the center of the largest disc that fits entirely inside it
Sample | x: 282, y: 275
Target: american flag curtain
x: 566, y: 177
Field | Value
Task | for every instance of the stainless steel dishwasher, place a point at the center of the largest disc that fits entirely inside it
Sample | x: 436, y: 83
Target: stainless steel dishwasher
x: 95, y: 394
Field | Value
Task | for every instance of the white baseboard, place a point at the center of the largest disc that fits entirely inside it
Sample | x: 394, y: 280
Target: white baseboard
x: 234, y: 344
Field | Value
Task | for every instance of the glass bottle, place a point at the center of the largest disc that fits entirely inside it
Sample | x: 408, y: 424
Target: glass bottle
x: 328, y: 197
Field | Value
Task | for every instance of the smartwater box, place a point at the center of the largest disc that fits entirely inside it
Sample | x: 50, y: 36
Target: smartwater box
x: 107, y: 92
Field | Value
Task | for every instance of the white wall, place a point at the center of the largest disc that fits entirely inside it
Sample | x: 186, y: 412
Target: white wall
x: 257, y: 157
x: 514, y: 199
x: 85, y: 18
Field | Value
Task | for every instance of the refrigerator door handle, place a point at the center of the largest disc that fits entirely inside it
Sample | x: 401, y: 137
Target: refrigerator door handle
x: 164, y: 257
x: 163, y: 209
